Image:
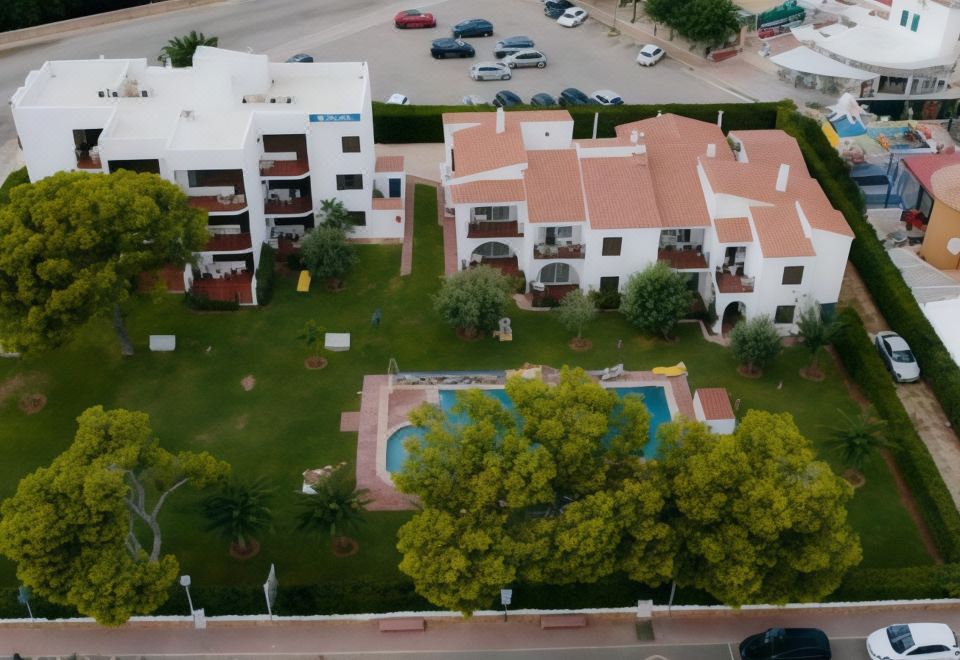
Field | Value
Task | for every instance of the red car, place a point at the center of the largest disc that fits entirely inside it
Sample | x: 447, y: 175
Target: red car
x: 414, y: 18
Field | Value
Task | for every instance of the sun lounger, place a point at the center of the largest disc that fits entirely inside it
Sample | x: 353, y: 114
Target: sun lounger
x: 612, y: 372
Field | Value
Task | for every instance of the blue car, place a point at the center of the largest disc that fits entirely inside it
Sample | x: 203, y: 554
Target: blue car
x: 555, y: 8
x: 573, y: 96
x: 442, y: 48
x: 473, y: 27
x: 543, y: 100
x: 506, y: 99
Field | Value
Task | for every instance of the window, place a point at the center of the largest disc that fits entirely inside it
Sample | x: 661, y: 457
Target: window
x: 357, y: 218
x: 610, y: 283
x: 611, y: 246
x: 784, y: 314
x: 904, y: 17
x: 916, y: 23
x: 350, y: 144
x: 792, y: 275
x: 564, y: 232
x: 492, y: 249
x: 555, y: 274
x: 495, y: 213
x: 349, y: 182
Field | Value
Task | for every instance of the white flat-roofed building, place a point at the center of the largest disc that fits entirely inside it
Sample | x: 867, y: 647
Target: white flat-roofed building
x: 257, y: 144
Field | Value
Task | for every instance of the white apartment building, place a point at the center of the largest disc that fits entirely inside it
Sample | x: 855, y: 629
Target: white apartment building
x: 747, y: 225
x: 258, y: 145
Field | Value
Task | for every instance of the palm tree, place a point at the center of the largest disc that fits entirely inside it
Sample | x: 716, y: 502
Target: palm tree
x: 336, y: 510
x: 816, y: 334
x: 238, y: 513
x: 859, y: 438
x: 180, y: 50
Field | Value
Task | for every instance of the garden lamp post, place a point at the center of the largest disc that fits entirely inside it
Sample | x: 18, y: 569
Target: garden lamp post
x: 185, y: 583
x: 23, y: 596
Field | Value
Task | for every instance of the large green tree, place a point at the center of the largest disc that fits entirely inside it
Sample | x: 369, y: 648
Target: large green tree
x: 180, y: 50
x: 755, y: 343
x: 708, y: 22
x: 85, y: 531
x: 655, y: 298
x: 757, y: 518
x: 327, y: 254
x: 473, y: 300
x: 72, y: 244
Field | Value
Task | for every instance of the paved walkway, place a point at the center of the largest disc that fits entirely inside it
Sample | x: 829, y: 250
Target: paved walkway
x: 917, y: 398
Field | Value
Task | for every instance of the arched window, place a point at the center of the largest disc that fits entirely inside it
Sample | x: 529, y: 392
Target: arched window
x: 555, y: 274
x: 492, y: 249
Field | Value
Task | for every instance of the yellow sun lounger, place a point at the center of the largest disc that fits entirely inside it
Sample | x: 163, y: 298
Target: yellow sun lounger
x: 676, y: 370
x: 303, y: 284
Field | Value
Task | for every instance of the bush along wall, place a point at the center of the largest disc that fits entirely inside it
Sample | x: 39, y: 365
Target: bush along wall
x: 266, y: 274
x: 884, y: 281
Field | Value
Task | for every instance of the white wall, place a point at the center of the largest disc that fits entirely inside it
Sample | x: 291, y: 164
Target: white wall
x: 638, y: 250
x: 46, y: 135
x: 547, y: 134
x: 832, y: 252
x: 769, y: 292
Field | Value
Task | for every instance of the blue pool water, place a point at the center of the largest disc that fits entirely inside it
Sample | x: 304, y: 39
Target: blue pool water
x: 654, y: 398
x: 845, y: 129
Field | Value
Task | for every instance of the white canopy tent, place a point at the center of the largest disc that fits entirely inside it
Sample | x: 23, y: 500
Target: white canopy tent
x: 804, y: 60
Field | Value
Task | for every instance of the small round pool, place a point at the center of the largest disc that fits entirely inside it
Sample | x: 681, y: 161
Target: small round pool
x: 396, y: 452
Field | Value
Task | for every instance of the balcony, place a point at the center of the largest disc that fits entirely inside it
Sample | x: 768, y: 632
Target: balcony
x: 88, y: 161
x: 292, y: 206
x: 506, y: 265
x: 494, y: 229
x: 228, y: 243
x: 218, y: 203
x: 683, y: 259
x: 727, y: 283
x: 228, y: 287
x: 297, y: 167
x: 544, y: 251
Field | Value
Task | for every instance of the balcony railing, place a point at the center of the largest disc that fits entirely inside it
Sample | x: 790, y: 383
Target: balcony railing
x: 544, y: 251
x: 218, y: 203
x: 683, y: 259
x: 494, y: 229
x: 297, y: 167
x: 727, y: 283
x: 294, y: 206
x: 228, y: 243
x: 88, y: 161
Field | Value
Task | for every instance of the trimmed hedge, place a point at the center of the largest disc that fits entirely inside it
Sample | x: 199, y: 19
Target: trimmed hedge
x: 918, y: 582
x: 400, y: 124
x: 266, y: 274
x: 203, y: 304
x: 920, y: 472
x: 20, y: 14
x: 886, y: 285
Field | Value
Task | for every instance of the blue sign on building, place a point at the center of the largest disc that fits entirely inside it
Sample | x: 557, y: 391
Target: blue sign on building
x: 337, y: 117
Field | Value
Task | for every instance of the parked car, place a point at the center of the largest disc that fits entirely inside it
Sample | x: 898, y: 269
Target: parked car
x: 897, y: 356
x: 490, y: 71
x: 398, y: 99
x: 506, y: 99
x: 511, y: 45
x: 573, y: 96
x: 786, y: 644
x: 526, y: 58
x: 473, y: 27
x: 543, y: 100
x: 649, y: 55
x: 913, y: 641
x: 606, y: 97
x: 414, y: 18
x: 573, y: 17
x: 301, y: 57
x: 555, y: 8
x: 473, y: 99
x: 443, y: 48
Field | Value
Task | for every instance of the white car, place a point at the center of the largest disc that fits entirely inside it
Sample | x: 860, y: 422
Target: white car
x: 649, y: 55
x: 573, y: 17
x: 526, y: 58
x: 490, y: 71
x: 897, y: 356
x: 606, y: 97
x: 398, y: 99
x: 913, y: 641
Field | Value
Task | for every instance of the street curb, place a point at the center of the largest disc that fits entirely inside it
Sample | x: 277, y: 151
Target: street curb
x: 37, y: 33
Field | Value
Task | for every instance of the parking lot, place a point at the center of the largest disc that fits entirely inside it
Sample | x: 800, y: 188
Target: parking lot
x: 584, y: 57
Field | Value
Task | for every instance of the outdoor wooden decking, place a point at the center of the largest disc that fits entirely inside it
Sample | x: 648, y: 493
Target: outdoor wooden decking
x: 288, y: 207
x: 212, y: 204
x: 228, y: 243
x: 727, y: 283
x: 682, y: 259
x: 284, y: 167
x: 494, y: 230
x: 506, y: 265
x: 234, y: 287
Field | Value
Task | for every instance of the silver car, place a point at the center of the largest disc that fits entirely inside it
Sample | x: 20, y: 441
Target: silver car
x: 490, y: 71
x: 526, y: 58
x: 897, y: 357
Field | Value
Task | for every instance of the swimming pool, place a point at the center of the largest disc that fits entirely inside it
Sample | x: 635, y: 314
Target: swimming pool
x: 845, y: 129
x: 654, y: 397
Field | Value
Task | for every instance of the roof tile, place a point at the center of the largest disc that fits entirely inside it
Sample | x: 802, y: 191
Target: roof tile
x: 733, y: 230
x: 619, y: 193
x: 715, y: 403
x: 780, y: 232
x: 554, y: 187
x: 488, y: 191
x: 389, y: 164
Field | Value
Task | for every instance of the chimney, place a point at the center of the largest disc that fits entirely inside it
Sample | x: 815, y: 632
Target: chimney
x: 501, y: 120
x: 720, y: 119
x: 782, y: 177
x: 711, y: 150
x: 634, y: 136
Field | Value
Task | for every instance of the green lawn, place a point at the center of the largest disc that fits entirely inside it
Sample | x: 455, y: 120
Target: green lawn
x: 290, y: 420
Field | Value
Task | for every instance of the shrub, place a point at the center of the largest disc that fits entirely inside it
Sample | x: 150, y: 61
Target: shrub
x: 755, y: 343
x: 266, y: 275
x: 608, y: 299
x: 326, y: 253
x: 203, y: 304
x: 655, y: 299
x: 473, y: 300
x: 294, y: 262
x: 16, y: 178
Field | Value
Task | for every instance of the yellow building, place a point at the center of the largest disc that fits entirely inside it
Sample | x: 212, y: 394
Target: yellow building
x: 935, y: 192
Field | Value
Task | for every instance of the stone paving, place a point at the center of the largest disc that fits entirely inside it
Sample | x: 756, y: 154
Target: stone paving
x: 919, y: 400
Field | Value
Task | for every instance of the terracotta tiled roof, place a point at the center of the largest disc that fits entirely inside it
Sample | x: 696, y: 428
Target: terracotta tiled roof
x: 478, y: 149
x: 923, y: 167
x: 715, y: 403
x: 511, y: 118
x: 386, y: 204
x: 553, y: 185
x: 389, y: 164
x: 604, y: 142
x: 619, y: 193
x: 733, y: 230
x: 780, y: 232
x: 945, y: 184
x: 676, y: 185
x: 479, y: 192
x: 771, y: 147
x: 817, y: 208
x: 674, y: 129
x: 748, y: 180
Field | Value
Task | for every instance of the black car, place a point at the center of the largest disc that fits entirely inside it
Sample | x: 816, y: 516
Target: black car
x: 543, y: 100
x: 451, y: 48
x: 300, y: 57
x: 573, y: 96
x: 473, y: 27
x: 511, y: 45
x: 506, y: 99
x: 786, y: 644
x: 555, y: 8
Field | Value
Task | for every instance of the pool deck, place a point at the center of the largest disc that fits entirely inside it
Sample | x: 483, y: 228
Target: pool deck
x: 383, y: 411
